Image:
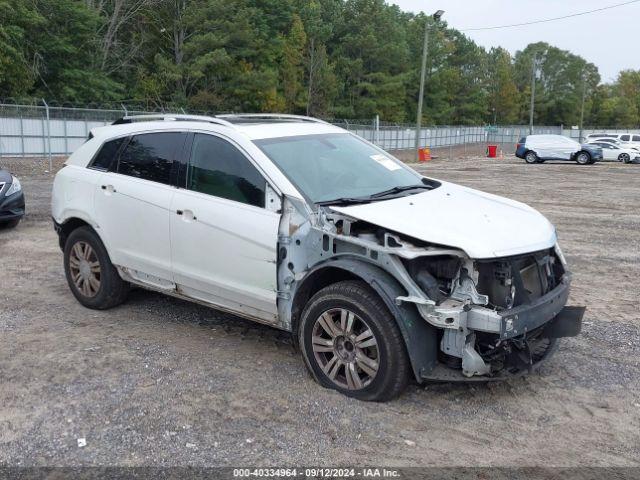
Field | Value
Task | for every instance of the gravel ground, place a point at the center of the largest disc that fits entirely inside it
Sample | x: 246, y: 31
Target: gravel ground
x: 158, y: 381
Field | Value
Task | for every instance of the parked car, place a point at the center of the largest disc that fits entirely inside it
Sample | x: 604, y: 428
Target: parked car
x: 616, y: 143
x: 628, y: 139
x: 11, y: 200
x: 540, y: 148
x: 593, y: 136
x: 378, y: 272
x: 618, y: 153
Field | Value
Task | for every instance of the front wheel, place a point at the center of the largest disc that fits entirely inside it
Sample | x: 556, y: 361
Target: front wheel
x: 624, y: 158
x: 91, y: 276
x: 583, y: 158
x: 351, y: 343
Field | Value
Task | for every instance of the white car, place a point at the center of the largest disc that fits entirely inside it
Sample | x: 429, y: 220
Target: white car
x: 617, y: 152
x: 379, y: 273
x: 626, y: 139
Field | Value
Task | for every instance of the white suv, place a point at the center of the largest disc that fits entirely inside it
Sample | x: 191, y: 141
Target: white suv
x: 380, y: 273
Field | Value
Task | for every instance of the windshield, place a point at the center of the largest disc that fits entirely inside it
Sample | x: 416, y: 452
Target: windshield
x: 336, y: 166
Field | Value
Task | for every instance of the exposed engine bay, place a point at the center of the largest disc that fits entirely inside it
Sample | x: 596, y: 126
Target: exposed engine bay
x: 488, y: 316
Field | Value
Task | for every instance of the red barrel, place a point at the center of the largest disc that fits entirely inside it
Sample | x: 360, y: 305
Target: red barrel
x: 492, y: 151
x: 424, y: 154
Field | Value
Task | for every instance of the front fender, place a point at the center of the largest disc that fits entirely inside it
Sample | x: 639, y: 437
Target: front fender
x: 421, y: 339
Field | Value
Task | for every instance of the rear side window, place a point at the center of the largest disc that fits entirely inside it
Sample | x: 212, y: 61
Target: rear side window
x: 150, y: 156
x: 636, y: 138
x: 625, y: 138
x: 218, y: 168
x: 107, y: 154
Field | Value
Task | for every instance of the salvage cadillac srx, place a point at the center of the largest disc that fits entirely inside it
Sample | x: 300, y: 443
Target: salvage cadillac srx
x: 379, y: 273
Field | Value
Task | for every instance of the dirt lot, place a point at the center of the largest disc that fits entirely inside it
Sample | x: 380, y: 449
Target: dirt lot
x: 164, y: 382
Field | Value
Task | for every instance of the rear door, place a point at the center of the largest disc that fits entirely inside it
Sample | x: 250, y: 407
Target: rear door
x: 223, y: 239
x: 132, y: 206
x: 609, y: 151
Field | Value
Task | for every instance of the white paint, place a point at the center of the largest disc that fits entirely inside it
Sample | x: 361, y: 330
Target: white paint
x: 480, y: 224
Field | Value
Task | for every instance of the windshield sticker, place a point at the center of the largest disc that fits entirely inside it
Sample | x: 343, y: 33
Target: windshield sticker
x: 386, y: 162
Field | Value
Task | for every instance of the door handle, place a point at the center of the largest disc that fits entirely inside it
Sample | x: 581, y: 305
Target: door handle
x: 187, y: 215
x: 108, y: 188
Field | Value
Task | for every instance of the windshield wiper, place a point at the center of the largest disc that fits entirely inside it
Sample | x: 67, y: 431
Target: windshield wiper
x: 401, y: 189
x: 344, y: 200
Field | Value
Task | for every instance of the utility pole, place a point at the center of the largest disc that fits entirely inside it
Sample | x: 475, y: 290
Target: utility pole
x: 533, y: 91
x: 584, y: 96
x: 423, y: 72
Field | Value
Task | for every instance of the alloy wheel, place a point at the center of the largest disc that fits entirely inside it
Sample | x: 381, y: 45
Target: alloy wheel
x: 583, y: 158
x: 345, y: 348
x: 85, y: 269
x: 624, y: 158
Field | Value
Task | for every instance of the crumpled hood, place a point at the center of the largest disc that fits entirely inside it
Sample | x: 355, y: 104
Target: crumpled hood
x: 480, y: 224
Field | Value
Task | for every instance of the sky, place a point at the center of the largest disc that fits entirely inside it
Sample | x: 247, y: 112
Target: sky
x: 607, y: 39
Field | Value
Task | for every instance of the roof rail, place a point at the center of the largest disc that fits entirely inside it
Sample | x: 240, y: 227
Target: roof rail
x: 269, y: 116
x: 172, y: 117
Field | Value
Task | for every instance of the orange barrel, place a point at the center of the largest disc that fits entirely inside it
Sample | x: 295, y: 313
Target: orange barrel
x: 424, y: 154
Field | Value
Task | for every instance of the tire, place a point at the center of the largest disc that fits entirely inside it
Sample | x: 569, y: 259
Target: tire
x: 531, y: 157
x: 624, y: 158
x: 97, y: 284
x: 364, y: 356
x: 583, y: 158
x: 7, y: 224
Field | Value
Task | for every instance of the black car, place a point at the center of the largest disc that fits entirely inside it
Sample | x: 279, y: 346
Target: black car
x: 11, y: 200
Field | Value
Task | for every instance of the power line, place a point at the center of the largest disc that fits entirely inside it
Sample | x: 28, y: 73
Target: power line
x: 549, y: 19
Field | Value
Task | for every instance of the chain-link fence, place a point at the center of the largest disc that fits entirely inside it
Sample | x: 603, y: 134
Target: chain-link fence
x: 45, y: 131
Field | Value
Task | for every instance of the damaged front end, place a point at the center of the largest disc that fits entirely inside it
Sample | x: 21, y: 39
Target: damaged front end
x: 461, y: 318
x: 500, y: 316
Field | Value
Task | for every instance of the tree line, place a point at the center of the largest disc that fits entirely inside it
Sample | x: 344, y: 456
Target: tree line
x: 329, y: 58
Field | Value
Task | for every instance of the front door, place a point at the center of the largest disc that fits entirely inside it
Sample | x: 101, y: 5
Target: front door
x: 223, y: 240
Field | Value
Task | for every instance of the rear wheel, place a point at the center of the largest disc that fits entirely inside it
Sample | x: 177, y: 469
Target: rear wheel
x: 583, y: 158
x: 624, y: 158
x: 351, y: 343
x: 531, y: 157
x: 91, y: 276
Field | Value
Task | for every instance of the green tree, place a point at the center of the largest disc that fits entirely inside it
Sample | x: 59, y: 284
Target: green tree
x: 293, y: 64
x: 560, y: 82
x: 504, y: 97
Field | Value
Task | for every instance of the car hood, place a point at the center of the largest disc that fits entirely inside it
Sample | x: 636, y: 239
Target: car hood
x: 480, y: 224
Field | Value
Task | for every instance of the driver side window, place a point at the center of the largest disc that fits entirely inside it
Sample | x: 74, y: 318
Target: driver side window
x: 218, y: 168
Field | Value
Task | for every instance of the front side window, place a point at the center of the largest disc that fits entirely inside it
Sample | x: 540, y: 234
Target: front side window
x: 218, y: 168
x: 150, y: 156
x: 107, y: 154
x: 338, y: 165
x: 636, y: 138
x: 625, y: 138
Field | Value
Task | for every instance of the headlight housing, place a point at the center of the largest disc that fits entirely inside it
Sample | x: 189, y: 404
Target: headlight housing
x: 15, y: 186
x: 560, y: 255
